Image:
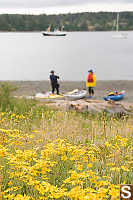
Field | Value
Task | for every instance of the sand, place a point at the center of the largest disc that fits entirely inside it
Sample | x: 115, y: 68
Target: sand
x: 102, y: 88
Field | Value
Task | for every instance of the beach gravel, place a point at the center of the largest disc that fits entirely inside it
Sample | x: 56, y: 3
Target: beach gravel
x: 102, y: 88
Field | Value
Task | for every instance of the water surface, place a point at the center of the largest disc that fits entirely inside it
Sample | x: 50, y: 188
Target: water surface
x: 30, y: 56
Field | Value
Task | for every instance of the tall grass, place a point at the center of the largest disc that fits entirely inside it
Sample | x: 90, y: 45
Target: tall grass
x: 52, y: 154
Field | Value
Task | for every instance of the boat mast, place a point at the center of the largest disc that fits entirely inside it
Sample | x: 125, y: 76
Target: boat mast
x: 49, y: 28
x: 117, y: 25
x: 62, y: 28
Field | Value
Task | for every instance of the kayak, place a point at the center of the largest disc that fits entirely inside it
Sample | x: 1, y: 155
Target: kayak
x: 48, y: 95
x: 115, y: 97
x: 76, y: 94
x: 72, y: 95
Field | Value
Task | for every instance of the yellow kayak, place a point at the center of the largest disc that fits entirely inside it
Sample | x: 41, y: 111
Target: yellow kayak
x: 47, y: 95
x: 55, y: 96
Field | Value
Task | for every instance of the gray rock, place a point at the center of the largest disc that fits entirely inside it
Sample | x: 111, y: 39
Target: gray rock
x: 92, y: 106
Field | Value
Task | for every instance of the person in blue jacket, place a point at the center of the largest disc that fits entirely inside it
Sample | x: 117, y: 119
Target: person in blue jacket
x: 54, y: 82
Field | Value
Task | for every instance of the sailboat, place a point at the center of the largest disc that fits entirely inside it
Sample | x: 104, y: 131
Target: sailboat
x: 54, y: 33
x: 119, y: 35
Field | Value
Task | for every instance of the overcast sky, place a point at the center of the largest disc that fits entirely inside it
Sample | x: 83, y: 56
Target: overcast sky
x: 63, y: 6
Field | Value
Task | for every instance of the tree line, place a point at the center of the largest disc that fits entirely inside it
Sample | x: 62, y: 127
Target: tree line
x: 87, y: 21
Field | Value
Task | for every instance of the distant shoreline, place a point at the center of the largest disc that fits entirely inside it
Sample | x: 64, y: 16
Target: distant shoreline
x: 64, y: 31
x: 32, y: 87
x: 77, y: 21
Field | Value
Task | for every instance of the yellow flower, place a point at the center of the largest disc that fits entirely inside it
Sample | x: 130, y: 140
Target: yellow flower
x: 10, y: 183
x: 64, y: 157
x: 107, y: 144
x: 117, y: 169
x: 80, y: 167
x: 89, y: 165
x: 125, y: 168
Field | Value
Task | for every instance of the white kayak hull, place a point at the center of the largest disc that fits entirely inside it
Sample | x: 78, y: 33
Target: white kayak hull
x: 76, y: 95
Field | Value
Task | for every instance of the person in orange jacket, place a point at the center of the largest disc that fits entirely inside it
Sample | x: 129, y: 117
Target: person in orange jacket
x: 91, y: 82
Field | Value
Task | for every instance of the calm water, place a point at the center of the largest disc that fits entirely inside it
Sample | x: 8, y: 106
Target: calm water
x: 30, y: 56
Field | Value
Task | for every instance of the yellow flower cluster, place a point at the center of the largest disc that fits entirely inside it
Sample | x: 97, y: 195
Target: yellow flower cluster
x: 60, y: 169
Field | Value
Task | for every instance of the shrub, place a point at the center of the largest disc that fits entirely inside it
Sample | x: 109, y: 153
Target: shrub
x: 6, y: 96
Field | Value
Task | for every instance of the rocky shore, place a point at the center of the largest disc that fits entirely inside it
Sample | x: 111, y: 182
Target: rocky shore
x: 33, y: 87
x: 93, y: 106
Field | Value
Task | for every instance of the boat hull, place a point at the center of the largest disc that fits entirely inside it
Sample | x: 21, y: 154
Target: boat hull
x: 120, y: 36
x: 48, y: 95
x: 76, y: 95
x: 115, y: 97
x: 53, y: 34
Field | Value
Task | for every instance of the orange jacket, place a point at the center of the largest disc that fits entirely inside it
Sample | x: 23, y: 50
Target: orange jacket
x: 91, y: 84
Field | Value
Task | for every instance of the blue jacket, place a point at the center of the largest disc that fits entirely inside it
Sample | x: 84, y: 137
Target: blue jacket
x: 53, y: 79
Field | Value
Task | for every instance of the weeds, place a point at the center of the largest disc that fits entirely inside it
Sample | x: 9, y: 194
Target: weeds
x: 51, y: 154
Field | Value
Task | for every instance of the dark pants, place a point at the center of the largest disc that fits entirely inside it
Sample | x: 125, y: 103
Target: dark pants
x: 91, y: 91
x: 55, y: 86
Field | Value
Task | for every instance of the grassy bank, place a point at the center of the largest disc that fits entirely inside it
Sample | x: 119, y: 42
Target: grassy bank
x: 50, y: 154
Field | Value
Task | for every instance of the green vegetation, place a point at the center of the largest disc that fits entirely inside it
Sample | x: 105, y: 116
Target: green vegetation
x: 12, y: 104
x: 52, y: 154
x: 101, y: 21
